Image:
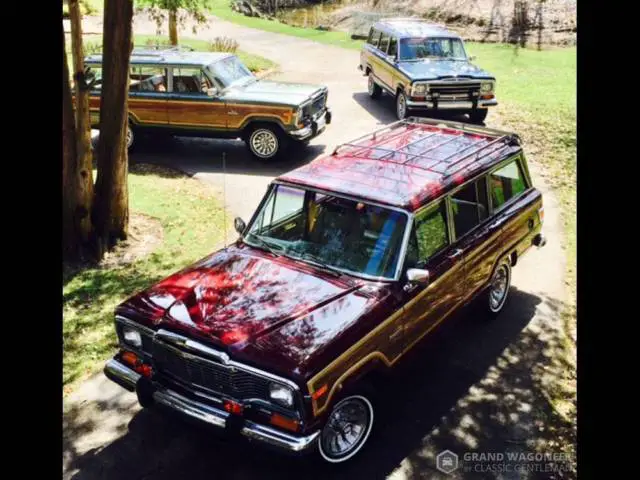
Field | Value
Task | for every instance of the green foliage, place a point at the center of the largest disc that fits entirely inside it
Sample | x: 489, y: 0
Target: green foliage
x: 158, y: 10
x: 192, y: 226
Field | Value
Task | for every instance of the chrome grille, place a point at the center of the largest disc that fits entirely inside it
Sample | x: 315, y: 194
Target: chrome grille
x: 212, y: 376
x: 316, y: 106
x: 459, y: 90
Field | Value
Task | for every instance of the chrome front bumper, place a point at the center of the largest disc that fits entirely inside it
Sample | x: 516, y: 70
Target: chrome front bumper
x: 128, y: 379
x: 452, y: 105
x: 314, y: 128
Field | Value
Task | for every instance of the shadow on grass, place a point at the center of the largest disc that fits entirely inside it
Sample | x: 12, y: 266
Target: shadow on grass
x: 474, y: 385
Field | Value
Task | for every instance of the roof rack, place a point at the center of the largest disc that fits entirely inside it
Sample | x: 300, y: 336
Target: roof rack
x: 412, y: 19
x: 147, y: 50
x: 499, y: 137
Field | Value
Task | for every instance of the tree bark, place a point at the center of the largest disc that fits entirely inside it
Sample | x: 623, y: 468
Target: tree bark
x: 83, y: 125
x: 173, y: 26
x: 111, y: 202
x: 70, y: 241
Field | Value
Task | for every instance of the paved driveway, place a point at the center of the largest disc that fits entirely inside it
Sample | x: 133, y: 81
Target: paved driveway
x: 473, y: 385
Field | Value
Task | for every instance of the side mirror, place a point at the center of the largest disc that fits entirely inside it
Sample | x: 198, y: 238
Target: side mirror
x: 239, y: 225
x: 418, y: 276
x: 391, y: 58
x: 212, y: 92
x: 472, y: 58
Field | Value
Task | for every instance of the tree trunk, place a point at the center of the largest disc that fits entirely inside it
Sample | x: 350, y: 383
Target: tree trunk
x: 83, y: 126
x: 173, y: 27
x: 70, y: 240
x: 111, y: 203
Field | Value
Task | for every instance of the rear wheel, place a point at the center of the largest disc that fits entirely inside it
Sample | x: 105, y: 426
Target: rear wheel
x: 372, y: 87
x: 498, y: 291
x: 347, y: 429
x: 266, y: 142
x: 478, y: 115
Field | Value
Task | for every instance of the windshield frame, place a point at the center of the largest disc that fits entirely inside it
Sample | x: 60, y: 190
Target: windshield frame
x: 209, y: 68
x: 403, y: 246
x: 465, y: 58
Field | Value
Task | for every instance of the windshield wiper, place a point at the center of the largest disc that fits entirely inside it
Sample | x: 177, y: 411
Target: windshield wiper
x: 319, y: 263
x: 269, y: 247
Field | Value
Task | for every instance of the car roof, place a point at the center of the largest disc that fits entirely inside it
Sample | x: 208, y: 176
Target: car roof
x: 408, y: 163
x: 412, y: 27
x: 167, y: 56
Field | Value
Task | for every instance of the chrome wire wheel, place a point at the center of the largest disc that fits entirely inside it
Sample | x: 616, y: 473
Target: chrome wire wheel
x: 499, y: 289
x: 401, y: 106
x: 347, y: 429
x: 263, y: 143
x: 129, y: 137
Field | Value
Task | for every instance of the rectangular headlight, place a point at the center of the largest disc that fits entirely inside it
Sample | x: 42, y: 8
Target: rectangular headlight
x: 132, y: 337
x: 418, y: 89
x: 486, y: 87
x: 281, y: 395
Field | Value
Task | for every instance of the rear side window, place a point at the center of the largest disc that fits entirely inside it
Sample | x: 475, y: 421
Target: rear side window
x: 384, y: 42
x: 374, y: 37
x: 429, y: 235
x: 393, y: 46
x: 506, y: 183
x: 469, y: 206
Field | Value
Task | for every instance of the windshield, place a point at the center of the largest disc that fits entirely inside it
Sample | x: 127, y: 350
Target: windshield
x: 433, y: 48
x: 229, y: 71
x: 329, y: 231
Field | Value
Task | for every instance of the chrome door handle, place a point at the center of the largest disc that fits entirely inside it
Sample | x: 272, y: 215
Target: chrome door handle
x: 457, y: 253
x: 232, y: 112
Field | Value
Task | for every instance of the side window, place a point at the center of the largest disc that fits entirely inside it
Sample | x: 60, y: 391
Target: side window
x: 372, y: 34
x: 97, y: 72
x: 469, y: 206
x: 374, y: 37
x: 429, y: 235
x: 190, y: 81
x: 506, y: 183
x: 149, y: 79
x: 287, y: 201
x: 393, y: 46
x: 384, y: 42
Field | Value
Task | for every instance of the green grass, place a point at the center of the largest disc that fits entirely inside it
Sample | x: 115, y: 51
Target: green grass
x: 222, y: 9
x: 192, y: 220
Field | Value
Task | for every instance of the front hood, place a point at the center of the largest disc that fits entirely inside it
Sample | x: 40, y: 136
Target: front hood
x: 236, y: 296
x: 266, y: 91
x: 428, y: 69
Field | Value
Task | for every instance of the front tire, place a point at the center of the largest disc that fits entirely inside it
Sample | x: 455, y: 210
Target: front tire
x: 372, y: 87
x: 347, y: 429
x: 478, y: 115
x: 266, y: 142
x: 401, y: 106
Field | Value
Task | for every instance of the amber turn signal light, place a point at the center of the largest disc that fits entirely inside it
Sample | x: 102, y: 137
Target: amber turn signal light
x: 284, y: 422
x: 320, y: 392
x: 130, y: 358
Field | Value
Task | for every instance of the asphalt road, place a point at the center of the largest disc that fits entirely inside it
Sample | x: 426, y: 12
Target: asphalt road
x: 473, y: 385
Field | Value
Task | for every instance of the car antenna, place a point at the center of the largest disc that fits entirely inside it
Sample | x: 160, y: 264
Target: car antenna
x: 224, y: 195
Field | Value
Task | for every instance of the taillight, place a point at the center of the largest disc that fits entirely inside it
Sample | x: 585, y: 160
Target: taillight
x: 541, y: 214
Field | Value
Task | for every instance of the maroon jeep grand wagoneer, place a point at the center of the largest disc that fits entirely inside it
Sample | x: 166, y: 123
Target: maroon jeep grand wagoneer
x: 347, y: 263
